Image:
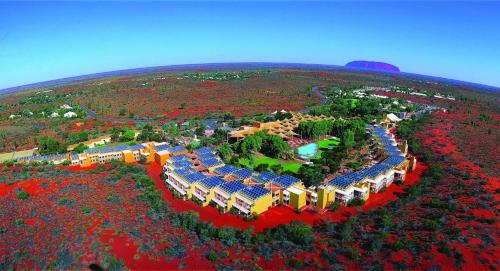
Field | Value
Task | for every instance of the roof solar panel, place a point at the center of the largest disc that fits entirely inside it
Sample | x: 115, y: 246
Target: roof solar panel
x: 177, y: 149
x: 232, y: 187
x: 183, y: 171
x: 394, y: 160
x: 161, y: 148
x: 243, y: 173
x: 265, y: 177
x: 180, y: 164
x: 285, y: 181
x: 180, y: 157
x: 212, y: 182
x: 203, y: 150
x: 255, y: 192
x: 211, y: 162
x: 194, y: 177
x: 226, y: 170
x: 344, y: 181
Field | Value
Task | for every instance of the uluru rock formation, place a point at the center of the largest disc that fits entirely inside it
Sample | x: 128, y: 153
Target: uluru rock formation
x: 372, y: 65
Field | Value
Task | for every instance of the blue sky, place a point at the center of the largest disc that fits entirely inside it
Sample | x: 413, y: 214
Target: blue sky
x: 50, y: 40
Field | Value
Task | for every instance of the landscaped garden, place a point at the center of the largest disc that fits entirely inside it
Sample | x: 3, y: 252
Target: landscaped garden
x: 257, y: 162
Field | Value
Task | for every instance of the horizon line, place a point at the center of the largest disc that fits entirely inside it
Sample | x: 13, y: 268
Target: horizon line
x: 103, y: 74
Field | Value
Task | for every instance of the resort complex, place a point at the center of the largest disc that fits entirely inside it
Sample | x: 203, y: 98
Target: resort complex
x: 202, y: 176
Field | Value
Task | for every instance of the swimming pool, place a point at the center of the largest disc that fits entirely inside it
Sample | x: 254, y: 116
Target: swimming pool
x: 307, y: 151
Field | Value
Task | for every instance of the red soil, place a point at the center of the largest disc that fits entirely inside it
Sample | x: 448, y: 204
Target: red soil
x: 208, y: 84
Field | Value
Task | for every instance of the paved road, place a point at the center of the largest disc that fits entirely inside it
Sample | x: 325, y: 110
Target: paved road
x: 93, y: 115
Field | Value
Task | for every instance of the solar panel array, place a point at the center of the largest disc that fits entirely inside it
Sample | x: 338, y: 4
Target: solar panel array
x: 182, y: 164
x: 184, y: 171
x: 374, y: 170
x: 161, y: 147
x: 136, y: 147
x: 232, y: 187
x: 212, y: 182
x: 285, y: 181
x: 243, y: 173
x: 225, y: 170
x: 194, y: 177
x: 211, y: 162
x: 177, y: 149
x: 344, y: 181
x: 181, y: 157
x: 394, y: 161
x: 208, y: 155
x: 203, y: 150
x: 396, y: 157
x: 255, y: 192
x: 265, y: 177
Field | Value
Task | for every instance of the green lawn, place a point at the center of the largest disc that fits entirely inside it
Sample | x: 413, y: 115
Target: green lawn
x: 324, y: 144
x: 287, y: 165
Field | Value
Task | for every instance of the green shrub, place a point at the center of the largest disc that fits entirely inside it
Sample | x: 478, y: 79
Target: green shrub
x: 22, y: 195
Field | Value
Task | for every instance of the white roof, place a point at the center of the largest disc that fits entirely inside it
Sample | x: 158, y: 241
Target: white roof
x: 295, y: 190
x: 70, y: 114
x: 393, y: 117
x: 54, y: 114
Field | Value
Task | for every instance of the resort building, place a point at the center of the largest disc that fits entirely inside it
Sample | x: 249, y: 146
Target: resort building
x: 178, y: 161
x: 283, y: 128
x: 183, y: 181
x: 244, y: 175
x: 379, y: 176
x: 343, y: 189
x: 164, y: 152
x: 225, y: 194
x: 253, y: 199
x: 204, y: 190
x: 52, y: 158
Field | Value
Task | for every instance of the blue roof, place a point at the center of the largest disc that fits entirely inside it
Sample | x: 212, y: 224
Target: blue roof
x: 265, y: 177
x: 255, y: 192
x: 211, y: 162
x: 212, y: 182
x: 243, y: 173
x: 184, y: 171
x: 161, y: 148
x: 177, y: 149
x: 206, y: 156
x: 374, y: 170
x: 344, y: 181
x: 194, y: 177
x: 74, y: 156
x: 180, y: 157
x: 394, y: 161
x: 285, y: 181
x: 136, y: 147
x: 225, y: 170
x: 232, y: 187
x: 180, y: 164
x: 203, y: 150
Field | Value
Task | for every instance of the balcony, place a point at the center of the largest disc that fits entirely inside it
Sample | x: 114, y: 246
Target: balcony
x: 176, y: 187
x: 219, y: 202
x: 198, y: 196
x: 242, y: 208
